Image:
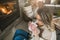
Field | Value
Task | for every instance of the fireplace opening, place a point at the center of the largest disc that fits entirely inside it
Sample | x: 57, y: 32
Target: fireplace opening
x: 5, y: 10
x: 9, y: 11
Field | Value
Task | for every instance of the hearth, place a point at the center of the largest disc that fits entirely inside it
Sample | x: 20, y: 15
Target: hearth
x: 9, y: 11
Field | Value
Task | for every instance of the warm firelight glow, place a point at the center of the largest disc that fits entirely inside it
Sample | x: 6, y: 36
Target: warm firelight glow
x: 7, y: 8
x: 5, y: 11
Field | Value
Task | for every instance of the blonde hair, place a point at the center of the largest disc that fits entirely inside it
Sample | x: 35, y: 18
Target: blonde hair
x: 45, y: 15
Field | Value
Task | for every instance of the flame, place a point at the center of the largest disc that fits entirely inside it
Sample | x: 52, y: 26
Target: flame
x: 5, y: 11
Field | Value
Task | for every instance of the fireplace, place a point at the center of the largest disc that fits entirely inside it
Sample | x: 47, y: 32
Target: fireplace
x: 9, y: 11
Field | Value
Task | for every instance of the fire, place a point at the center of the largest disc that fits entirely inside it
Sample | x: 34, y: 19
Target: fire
x: 5, y: 10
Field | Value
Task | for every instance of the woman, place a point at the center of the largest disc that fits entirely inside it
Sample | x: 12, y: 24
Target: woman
x: 45, y: 23
x: 44, y: 18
